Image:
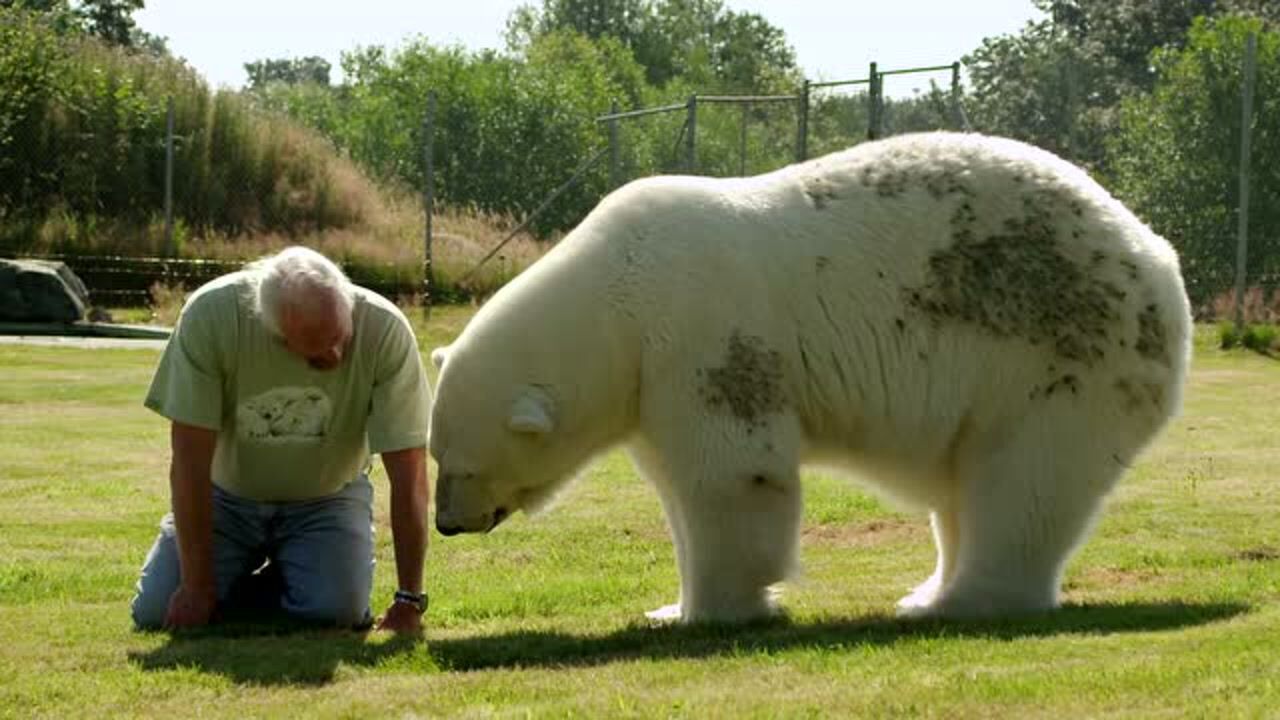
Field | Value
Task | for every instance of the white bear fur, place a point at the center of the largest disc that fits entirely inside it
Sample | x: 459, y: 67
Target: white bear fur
x: 969, y: 324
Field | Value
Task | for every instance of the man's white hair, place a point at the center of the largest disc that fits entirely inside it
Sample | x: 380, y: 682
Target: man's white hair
x: 291, y: 278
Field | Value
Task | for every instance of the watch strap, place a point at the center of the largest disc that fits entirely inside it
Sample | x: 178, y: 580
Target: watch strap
x: 418, y: 600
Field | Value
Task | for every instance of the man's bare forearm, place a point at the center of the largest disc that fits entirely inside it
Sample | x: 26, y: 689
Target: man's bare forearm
x: 192, y: 492
x: 410, y: 491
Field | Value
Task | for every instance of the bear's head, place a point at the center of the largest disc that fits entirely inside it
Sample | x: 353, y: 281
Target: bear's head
x: 495, y: 443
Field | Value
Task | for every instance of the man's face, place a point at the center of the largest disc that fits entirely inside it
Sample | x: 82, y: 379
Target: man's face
x: 318, y: 331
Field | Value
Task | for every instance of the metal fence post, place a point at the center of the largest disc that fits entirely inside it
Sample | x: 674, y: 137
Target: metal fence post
x: 170, y: 245
x: 614, y: 150
x: 802, y: 124
x: 742, y: 140
x: 873, y: 119
x: 428, y: 201
x: 690, y: 140
x: 1246, y: 132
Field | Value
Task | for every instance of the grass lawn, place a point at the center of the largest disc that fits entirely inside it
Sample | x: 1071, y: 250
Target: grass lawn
x: 1173, y: 606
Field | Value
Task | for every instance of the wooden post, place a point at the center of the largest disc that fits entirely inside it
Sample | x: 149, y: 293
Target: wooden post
x: 428, y: 202
x: 1246, y: 139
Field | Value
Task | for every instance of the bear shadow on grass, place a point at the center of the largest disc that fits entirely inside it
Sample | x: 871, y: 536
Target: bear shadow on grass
x: 558, y: 649
x: 292, y: 653
x: 279, y: 651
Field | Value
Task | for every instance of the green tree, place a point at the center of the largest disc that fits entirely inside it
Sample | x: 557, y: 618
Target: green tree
x: 57, y: 15
x: 289, y: 71
x: 506, y: 132
x: 1058, y: 82
x: 111, y: 20
x: 1033, y: 86
x: 750, y: 54
x: 1177, y: 152
x: 700, y: 41
x: 621, y: 19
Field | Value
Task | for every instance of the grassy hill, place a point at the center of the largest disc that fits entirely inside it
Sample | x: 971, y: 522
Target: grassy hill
x: 82, y: 169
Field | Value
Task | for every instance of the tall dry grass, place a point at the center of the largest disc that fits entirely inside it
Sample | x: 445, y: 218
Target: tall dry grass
x: 389, y: 251
x: 1259, y: 306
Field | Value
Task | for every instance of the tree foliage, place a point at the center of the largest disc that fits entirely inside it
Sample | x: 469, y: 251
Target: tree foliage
x: 505, y: 131
x: 698, y: 41
x: 1177, y: 152
x: 1059, y: 81
x: 110, y: 20
x: 290, y: 71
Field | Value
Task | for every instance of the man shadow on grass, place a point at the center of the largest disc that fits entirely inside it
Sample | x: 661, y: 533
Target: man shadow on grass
x: 285, y: 653
x: 281, y: 651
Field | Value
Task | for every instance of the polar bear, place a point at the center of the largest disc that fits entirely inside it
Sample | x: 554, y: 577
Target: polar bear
x: 970, y: 325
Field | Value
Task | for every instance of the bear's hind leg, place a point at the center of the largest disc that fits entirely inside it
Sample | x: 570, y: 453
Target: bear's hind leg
x: 1021, y: 511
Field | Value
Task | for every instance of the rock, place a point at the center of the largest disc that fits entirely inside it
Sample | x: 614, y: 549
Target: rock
x: 41, y: 291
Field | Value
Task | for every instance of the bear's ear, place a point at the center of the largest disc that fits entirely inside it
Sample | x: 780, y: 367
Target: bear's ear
x: 533, y: 412
x: 438, y: 355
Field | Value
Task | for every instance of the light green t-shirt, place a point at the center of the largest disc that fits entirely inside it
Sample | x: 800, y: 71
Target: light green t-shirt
x: 287, y: 431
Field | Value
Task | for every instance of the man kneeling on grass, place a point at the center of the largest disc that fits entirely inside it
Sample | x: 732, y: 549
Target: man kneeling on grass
x: 280, y: 381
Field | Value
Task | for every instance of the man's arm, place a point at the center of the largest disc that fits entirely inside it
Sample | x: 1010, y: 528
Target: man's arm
x: 410, y: 490
x: 195, y: 599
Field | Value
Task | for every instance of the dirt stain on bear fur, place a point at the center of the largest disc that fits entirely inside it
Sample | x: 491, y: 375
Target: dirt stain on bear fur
x: 1137, y: 395
x: 820, y: 192
x: 1018, y: 283
x: 749, y: 384
x: 1152, y: 341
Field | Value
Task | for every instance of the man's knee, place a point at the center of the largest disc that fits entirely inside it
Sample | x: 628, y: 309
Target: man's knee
x: 157, y: 580
x: 148, y: 610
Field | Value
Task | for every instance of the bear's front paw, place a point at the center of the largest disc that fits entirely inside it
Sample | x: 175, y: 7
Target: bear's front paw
x: 665, y: 614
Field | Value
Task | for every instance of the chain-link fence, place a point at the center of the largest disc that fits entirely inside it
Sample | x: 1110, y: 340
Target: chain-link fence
x: 738, y: 135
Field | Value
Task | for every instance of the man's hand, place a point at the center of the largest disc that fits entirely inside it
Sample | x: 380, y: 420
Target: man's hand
x: 190, y: 608
x: 401, y: 618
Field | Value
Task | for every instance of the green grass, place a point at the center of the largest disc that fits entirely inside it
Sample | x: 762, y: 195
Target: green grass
x: 1173, y: 606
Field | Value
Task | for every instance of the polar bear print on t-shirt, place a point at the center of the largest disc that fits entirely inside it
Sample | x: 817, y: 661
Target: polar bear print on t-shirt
x: 285, y: 415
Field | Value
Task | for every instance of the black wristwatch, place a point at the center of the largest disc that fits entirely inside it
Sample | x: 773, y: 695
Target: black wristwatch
x: 418, y: 600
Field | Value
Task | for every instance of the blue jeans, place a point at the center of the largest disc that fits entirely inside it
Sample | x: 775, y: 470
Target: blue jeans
x: 322, y: 550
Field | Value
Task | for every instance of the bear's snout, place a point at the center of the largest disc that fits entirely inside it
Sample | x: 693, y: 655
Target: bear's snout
x: 448, y: 530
